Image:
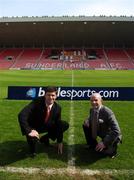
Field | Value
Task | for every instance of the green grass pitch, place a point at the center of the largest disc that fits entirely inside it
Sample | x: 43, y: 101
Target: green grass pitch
x: 13, y: 147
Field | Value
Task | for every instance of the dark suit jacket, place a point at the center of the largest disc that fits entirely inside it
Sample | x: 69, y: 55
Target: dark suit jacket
x: 32, y: 116
x: 108, y: 127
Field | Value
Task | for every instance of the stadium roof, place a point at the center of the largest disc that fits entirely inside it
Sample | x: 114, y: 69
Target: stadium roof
x: 67, y: 31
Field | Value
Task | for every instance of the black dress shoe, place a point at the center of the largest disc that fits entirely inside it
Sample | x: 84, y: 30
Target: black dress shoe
x: 113, y: 155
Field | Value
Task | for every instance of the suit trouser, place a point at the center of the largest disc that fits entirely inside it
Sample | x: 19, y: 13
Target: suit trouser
x: 51, y: 133
x: 88, y: 135
x: 111, y: 149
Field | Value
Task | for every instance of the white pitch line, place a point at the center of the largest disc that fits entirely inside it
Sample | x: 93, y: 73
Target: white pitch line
x: 71, y: 150
x: 69, y: 171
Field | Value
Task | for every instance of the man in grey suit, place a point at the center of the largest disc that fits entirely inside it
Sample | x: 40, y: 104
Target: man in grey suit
x: 102, y: 123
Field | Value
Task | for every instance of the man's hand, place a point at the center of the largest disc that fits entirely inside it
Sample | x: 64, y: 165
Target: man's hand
x: 100, y: 146
x: 60, y: 148
x: 86, y: 123
x: 34, y: 133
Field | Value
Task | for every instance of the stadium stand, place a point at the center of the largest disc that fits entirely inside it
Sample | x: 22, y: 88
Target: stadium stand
x: 130, y: 53
x: 8, y: 57
x: 121, y: 65
x: 116, y: 54
x: 27, y: 56
x: 38, y: 58
x: 96, y: 42
x: 119, y: 59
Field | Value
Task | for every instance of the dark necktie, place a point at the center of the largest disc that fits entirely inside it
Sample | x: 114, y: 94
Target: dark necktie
x: 94, y: 124
x: 47, y: 114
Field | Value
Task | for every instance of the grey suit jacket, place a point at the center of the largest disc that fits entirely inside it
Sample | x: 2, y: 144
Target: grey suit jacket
x: 108, y: 127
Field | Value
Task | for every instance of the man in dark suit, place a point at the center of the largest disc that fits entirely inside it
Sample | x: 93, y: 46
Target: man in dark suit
x: 43, y: 115
x: 102, y: 122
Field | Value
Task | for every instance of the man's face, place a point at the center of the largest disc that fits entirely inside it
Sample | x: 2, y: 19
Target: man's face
x: 50, y: 97
x: 96, y: 102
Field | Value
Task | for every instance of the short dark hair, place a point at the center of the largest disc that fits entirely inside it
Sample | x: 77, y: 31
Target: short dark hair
x: 51, y: 89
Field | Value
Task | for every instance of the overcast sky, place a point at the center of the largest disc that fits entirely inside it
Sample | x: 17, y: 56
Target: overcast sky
x: 66, y: 7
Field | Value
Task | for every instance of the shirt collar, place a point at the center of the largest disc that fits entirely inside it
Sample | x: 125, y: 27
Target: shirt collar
x: 98, y: 109
x: 50, y: 106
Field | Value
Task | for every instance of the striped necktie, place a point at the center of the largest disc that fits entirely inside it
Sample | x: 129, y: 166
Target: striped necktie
x: 47, y: 114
